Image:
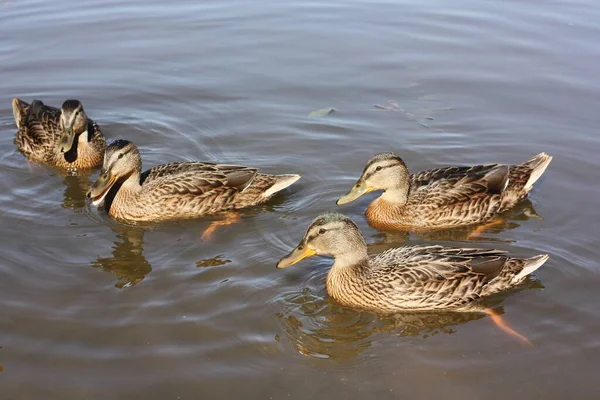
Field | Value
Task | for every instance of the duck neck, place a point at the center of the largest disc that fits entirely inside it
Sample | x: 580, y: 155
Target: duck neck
x: 386, y: 212
x: 132, y: 184
x: 81, y: 149
x: 123, y: 194
x: 347, y: 276
x: 395, y: 196
x: 128, y: 189
x: 348, y: 260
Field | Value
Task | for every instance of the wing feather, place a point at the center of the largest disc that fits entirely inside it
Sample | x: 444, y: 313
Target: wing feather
x: 197, y: 178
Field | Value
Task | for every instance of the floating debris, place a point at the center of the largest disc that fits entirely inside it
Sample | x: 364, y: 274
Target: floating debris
x: 321, y: 112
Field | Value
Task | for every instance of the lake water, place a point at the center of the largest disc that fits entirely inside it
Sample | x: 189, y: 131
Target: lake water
x: 94, y: 309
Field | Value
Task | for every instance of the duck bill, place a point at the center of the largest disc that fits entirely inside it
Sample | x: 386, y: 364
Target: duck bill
x: 354, y: 193
x: 297, y: 255
x: 100, y: 188
x: 66, y: 140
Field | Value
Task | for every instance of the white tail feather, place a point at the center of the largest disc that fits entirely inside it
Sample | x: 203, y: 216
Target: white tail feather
x: 531, y: 264
x: 283, y: 181
x: 539, y: 164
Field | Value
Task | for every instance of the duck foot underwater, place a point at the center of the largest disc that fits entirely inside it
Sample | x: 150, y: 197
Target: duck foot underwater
x: 230, y: 218
x: 500, y: 323
x: 482, y: 228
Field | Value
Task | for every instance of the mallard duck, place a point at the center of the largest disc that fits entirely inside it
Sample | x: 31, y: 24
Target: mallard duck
x: 177, y: 190
x: 64, y: 138
x: 444, y: 197
x: 408, y: 279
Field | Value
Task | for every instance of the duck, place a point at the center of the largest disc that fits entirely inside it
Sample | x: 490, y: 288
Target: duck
x: 178, y: 190
x: 65, y: 139
x: 444, y: 197
x: 412, y: 278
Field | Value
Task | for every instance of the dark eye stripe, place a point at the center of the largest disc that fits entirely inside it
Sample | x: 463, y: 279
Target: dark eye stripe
x: 370, y: 174
x: 125, y: 152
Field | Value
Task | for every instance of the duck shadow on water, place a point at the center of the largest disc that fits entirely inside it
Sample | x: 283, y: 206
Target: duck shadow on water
x: 510, y: 219
x: 318, y: 327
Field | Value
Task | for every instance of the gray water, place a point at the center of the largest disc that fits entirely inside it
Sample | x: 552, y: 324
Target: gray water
x: 94, y: 309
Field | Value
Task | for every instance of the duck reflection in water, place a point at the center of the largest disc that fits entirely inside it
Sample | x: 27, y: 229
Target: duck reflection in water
x: 127, y: 262
x: 319, y: 327
x: 76, y: 187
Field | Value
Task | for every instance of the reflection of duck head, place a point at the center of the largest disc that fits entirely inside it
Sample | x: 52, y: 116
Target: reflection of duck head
x: 127, y: 262
x: 75, y: 188
x: 319, y: 328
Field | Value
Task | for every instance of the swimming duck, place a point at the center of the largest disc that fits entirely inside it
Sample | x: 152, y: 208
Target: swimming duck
x: 177, y: 190
x: 444, y: 197
x: 411, y: 278
x: 65, y: 138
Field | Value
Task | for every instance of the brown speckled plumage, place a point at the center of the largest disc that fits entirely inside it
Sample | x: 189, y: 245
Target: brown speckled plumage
x: 445, y: 197
x: 39, y: 133
x: 413, y: 278
x: 178, y: 190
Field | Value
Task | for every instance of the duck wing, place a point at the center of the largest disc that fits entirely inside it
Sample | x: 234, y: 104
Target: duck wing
x: 452, y: 185
x: 197, y: 178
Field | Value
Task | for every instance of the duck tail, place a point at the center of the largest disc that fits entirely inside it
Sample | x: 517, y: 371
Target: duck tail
x: 529, y: 265
x: 19, y: 111
x: 538, y: 165
x: 280, y: 182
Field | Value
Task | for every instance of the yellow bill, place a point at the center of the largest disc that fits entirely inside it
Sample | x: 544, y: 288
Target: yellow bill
x: 354, y: 193
x: 297, y: 255
x: 100, y: 188
x: 66, y: 140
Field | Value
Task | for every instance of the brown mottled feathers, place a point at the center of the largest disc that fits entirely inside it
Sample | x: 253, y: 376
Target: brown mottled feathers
x: 418, y: 278
x: 457, y: 184
x: 38, y: 129
x: 196, y: 177
x: 453, y: 196
x: 193, y: 189
x: 39, y: 134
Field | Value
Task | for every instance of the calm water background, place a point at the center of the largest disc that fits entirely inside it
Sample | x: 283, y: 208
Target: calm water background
x: 91, y: 309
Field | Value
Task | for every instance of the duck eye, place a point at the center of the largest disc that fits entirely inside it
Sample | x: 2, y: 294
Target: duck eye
x: 379, y: 168
x: 120, y: 155
x: 322, y: 231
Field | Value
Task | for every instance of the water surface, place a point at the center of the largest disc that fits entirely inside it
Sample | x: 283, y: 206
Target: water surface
x: 94, y: 309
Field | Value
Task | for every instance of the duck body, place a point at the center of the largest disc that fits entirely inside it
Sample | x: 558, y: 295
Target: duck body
x: 178, y: 190
x: 63, y: 138
x: 427, y: 278
x: 445, y: 197
x: 407, y: 279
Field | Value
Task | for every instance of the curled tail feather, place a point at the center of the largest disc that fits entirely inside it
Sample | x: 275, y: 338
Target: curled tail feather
x: 538, y: 165
x: 19, y: 111
x: 530, y: 265
x: 281, y: 182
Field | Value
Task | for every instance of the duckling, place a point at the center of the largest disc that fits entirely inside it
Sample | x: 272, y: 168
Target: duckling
x: 412, y: 278
x: 445, y: 197
x: 177, y: 190
x: 66, y: 138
